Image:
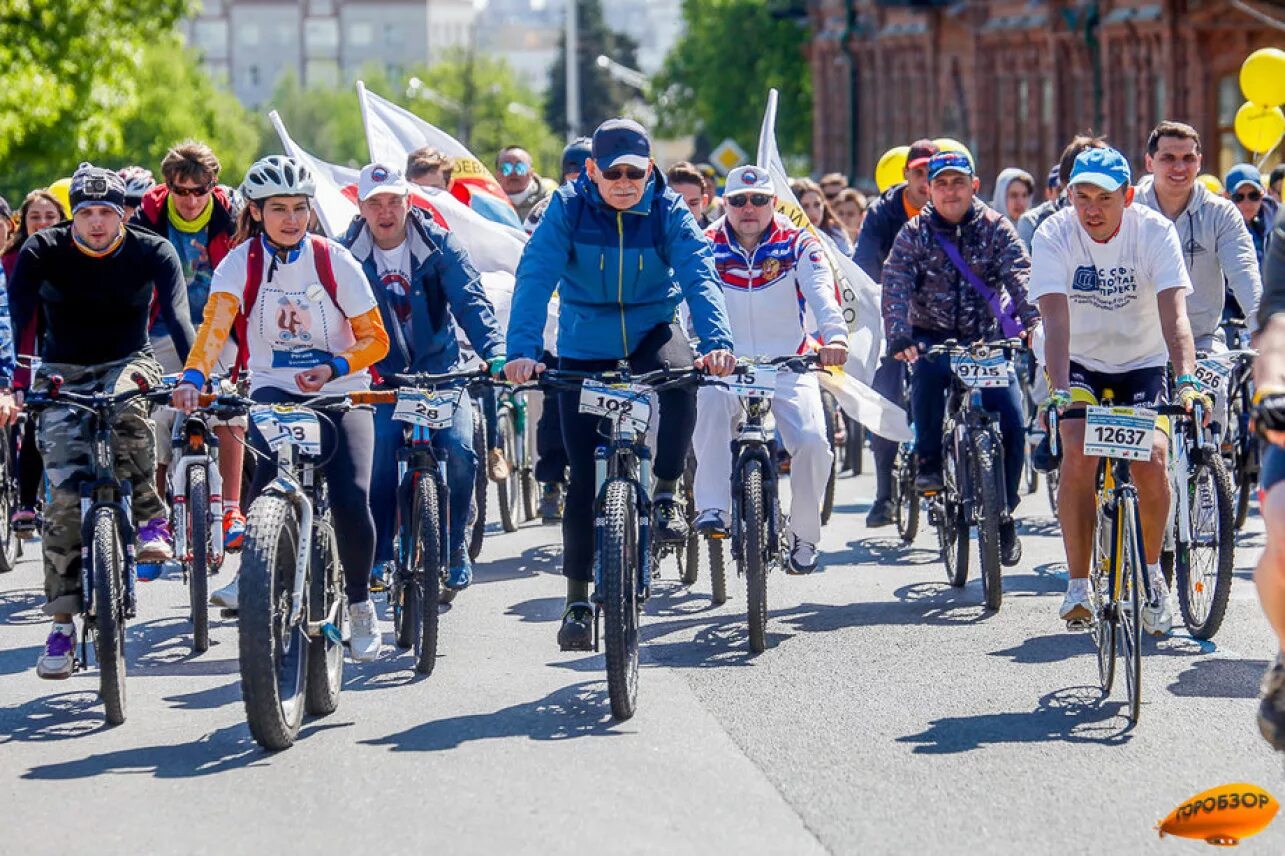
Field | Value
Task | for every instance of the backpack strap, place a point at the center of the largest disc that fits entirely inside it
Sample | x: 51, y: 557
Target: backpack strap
x: 253, y: 279
x: 325, y: 266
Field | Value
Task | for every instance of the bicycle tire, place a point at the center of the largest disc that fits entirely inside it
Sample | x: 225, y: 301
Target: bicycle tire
x: 1243, y: 452
x: 198, y: 577
x: 952, y: 531
x: 1103, y: 621
x: 832, y: 414
x: 426, y: 577
x: 325, y: 587
x: 717, y: 571
x: 1244, y: 490
x: 906, y: 501
x: 1051, y: 481
x: 273, y: 657
x: 689, y: 558
x: 753, y: 551
x: 477, y: 526
x: 109, y: 614
x: 854, y: 459
x: 508, y: 490
x: 1203, y: 612
x: 620, y: 607
x: 986, y: 467
x: 10, y: 543
x: 1129, y: 606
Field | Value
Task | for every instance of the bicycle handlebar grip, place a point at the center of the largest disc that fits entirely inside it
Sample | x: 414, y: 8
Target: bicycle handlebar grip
x: 206, y: 399
x: 374, y: 396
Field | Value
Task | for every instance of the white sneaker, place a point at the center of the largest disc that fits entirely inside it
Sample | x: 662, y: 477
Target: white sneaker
x: 364, y: 637
x: 1157, y: 616
x: 803, y: 556
x: 226, y: 596
x: 1076, y: 606
x: 58, y: 660
x: 712, y: 523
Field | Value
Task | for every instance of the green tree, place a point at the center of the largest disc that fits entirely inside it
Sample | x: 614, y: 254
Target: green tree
x: 692, y: 93
x: 601, y: 96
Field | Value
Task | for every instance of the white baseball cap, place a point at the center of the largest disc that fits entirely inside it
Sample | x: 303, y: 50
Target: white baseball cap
x: 381, y: 178
x: 748, y: 179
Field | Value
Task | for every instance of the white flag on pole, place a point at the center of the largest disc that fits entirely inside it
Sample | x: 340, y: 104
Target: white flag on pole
x: 334, y: 209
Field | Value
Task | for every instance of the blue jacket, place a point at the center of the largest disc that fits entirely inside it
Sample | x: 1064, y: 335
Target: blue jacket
x: 619, y: 275
x: 444, y: 288
x: 883, y: 221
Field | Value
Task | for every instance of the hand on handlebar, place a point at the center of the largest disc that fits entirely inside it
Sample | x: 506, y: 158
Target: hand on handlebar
x: 1189, y: 396
x: 10, y: 407
x: 835, y: 354
x: 1058, y: 400
x: 522, y: 370
x: 720, y: 363
x: 186, y: 397
x: 903, y: 348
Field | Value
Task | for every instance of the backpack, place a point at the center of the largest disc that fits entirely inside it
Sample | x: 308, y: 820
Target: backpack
x: 254, y: 278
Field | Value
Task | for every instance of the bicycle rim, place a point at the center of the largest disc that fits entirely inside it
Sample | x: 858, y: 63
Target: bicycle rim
x: 1103, y: 627
x: 620, y: 606
x: 509, y: 490
x: 754, y: 553
x: 109, y: 622
x: 1205, y: 565
x: 198, y: 580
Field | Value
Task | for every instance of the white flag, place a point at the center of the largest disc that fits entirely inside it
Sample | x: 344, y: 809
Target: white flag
x: 334, y: 209
x: 492, y: 246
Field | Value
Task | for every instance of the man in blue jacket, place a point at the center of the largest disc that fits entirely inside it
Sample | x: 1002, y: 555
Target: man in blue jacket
x: 424, y: 282
x: 623, y: 250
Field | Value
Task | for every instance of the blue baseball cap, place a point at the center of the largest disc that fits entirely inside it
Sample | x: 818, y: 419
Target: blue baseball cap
x: 575, y: 154
x: 621, y: 141
x: 1241, y: 174
x: 1055, y: 177
x: 1104, y: 167
x: 949, y: 162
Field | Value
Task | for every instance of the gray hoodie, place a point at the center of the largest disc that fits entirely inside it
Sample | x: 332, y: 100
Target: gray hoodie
x: 1219, y: 252
x: 999, y: 200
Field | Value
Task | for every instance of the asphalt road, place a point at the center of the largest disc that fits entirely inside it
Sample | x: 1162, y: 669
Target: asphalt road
x: 890, y: 715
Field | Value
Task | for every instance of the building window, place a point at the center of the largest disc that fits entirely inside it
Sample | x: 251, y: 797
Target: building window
x: 321, y: 36
x: 1230, y: 151
x: 361, y: 34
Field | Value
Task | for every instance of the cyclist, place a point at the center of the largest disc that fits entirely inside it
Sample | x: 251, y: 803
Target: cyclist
x: 946, y: 278
x: 1269, y: 576
x: 1112, y: 290
x: 312, y: 326
x: 196, y: 216
x: 766, y: 263
x: 883, y: 221
x: 1031, y: 220
x: 425, y: 283
x: 90, y: 281
x: 623, y: 250
x: 1245, y: 190
x: 138, y: 180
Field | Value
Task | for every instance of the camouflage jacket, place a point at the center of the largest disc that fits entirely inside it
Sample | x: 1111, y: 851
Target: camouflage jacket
x: 922, y: 288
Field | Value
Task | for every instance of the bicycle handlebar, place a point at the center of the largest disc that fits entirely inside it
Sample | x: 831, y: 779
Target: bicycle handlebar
x: 954, y: 346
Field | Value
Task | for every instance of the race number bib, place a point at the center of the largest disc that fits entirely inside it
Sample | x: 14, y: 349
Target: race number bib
x: 426, y: 409
x: 628, y: 404
x: 981, y: 372
x: 1119, y: 432
x: 756, y: 382
x: 284, y: 425
x: 1214, y: 376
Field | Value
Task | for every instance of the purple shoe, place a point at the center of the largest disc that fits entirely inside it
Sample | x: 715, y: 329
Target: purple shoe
x: 58, y: 660
x: 155, y: 543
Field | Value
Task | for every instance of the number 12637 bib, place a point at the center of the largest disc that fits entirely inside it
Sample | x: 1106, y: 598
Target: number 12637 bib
x: 1119, y: 432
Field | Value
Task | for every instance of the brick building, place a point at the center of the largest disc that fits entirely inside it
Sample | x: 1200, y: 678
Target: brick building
x: 1014, y: 79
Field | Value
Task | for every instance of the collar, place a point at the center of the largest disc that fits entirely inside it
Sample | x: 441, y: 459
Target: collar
x: 282, y: 255
x: 532, y: 187
x: 98, y: 254
x: 189, y: 226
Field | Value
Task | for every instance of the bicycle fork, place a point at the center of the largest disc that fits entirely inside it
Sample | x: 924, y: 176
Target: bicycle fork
x: 178, y: 490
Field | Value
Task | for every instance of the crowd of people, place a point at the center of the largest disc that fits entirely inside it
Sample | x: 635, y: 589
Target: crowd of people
x: 1114, y: 280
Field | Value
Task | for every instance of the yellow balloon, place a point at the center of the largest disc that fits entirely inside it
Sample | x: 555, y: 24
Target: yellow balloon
x: 1262, y: 77
x: 946, y: 144
x: 1211, y: 182
x: 891, y: 167
x: 1259, y: 128
x: 61, y: 189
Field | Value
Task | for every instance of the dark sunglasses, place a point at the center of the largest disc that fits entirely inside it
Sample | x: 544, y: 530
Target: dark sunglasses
x: 512, y: 167
x: 1252, y: 196
x: 190, y: 191
x: 632, y: 173
x: 758, y: 200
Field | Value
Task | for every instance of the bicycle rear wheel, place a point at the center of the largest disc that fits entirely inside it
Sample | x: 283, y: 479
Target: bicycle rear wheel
x: 109, y: 613
x: 689, y: 558
x: 906, y: 501
x: 1051, y: 480
x: 325, y: 590
x: 509, y: 490
x: 986, y: 470
x: 717, y: 571
x: 1204, y: 566
x: 426, y: 563
x: 198, y: 579
x: 273, y: 652
x: 754, y: 549
x: 620, y: 606
x: 952, y: 528
x: 1129, y: 602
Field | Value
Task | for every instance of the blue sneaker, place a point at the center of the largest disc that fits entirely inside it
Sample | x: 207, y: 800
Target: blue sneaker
x: 460, y: 576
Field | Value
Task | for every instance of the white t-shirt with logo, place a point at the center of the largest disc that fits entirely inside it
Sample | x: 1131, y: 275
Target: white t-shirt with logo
x: 394, y: 268
x: 294, y: 324
x: 1111, y: 288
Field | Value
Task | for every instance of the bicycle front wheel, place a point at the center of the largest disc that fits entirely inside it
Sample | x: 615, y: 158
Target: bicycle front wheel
x: 754, y: 549
x: 109, y: 613
x: 10, y: 544
x: 198, y: 580
x: 509, y: 490
x: 832, y: 416
x: 620, y: 606
x: 477, y: 524
x: 1128, y: 599
x: 986, y: 470
x: 1204, y: 566
x: 1103, y: 621
x: 325, y: 592
x: 906, y: 509
x: 273, y: 651
x: 425, y: 586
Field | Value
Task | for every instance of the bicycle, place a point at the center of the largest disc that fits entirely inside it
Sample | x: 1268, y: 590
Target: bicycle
x: 836, y: 430
x: 1117, y: 581
x: 10, y: 537
x: 973, y: 491
x: 622, y: 509
x: 291, y: 596
x: 518, y: 490
x: 481, y: 448
x: 108, y: 575
x: 905, y: 499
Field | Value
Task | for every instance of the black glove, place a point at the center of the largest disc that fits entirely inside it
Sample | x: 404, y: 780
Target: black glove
x: 1269, y: 412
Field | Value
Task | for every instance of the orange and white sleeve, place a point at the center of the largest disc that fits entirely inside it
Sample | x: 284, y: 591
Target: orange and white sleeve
x: 371, y: 345
x: 220, y: 314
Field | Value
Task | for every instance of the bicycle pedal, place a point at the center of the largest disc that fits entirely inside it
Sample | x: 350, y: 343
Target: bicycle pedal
x: 332, y: 633
x: 227, y: 613
x: 1079, y: 625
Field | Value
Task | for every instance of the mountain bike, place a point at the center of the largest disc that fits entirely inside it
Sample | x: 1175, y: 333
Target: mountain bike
x: 517, y: 492
x: 477, y: 517
x: 622, y: 509
x: 108, y: 576
x: 1118, y: 583
x: 972, y: 464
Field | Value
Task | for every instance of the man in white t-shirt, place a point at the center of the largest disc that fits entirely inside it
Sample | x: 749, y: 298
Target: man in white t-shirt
x: 1112, y: 287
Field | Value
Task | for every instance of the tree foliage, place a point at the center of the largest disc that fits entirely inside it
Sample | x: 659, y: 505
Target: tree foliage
x: 715, y: 79
x: 601, y: 96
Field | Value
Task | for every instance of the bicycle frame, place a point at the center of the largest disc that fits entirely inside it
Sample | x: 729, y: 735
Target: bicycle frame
x: 1180, y: 456
x: 296, y: 483
x: 417, y: 455
x: 195, y: 445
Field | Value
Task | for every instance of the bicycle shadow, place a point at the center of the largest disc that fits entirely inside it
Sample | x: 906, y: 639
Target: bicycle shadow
x: 1041, y: 527
x: 531, y: 562
x: 538, y: 610
x: 579, y: 710
x: 881, y: 550
x: 1048, y: 578
x: 1057, y: 647
x: 227, y: 748
x: 162, y: 647
x: 61, y: 716
x: 22, y: 606
x: 208, y: 699
x: 1070, y: 715
x: 1219, y: 677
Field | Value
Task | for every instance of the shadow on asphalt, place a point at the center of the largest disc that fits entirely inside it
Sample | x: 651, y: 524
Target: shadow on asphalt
x: 226, y: 749
x: 22, y: 607
x: 533, y: 561
x: 1070, y: 715
x: 1039, y: 527
x: 1056, y: 647
x: 881, y: 550
x: 579, y: 710
x: 1220, y: 678
x: 538, y: 610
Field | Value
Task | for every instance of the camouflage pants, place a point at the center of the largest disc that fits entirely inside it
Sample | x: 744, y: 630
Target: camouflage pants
x: 64, y: 438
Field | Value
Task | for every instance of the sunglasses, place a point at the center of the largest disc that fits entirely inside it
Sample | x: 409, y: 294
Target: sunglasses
x: 190, y: 191
x: 758, y: 200
x: 1252, y: 196
x: 514, y: 167
x: 632, y: 173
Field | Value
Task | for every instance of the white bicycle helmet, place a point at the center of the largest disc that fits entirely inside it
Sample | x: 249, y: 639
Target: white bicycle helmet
x: 138, y: 180
x: 277, y: 175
